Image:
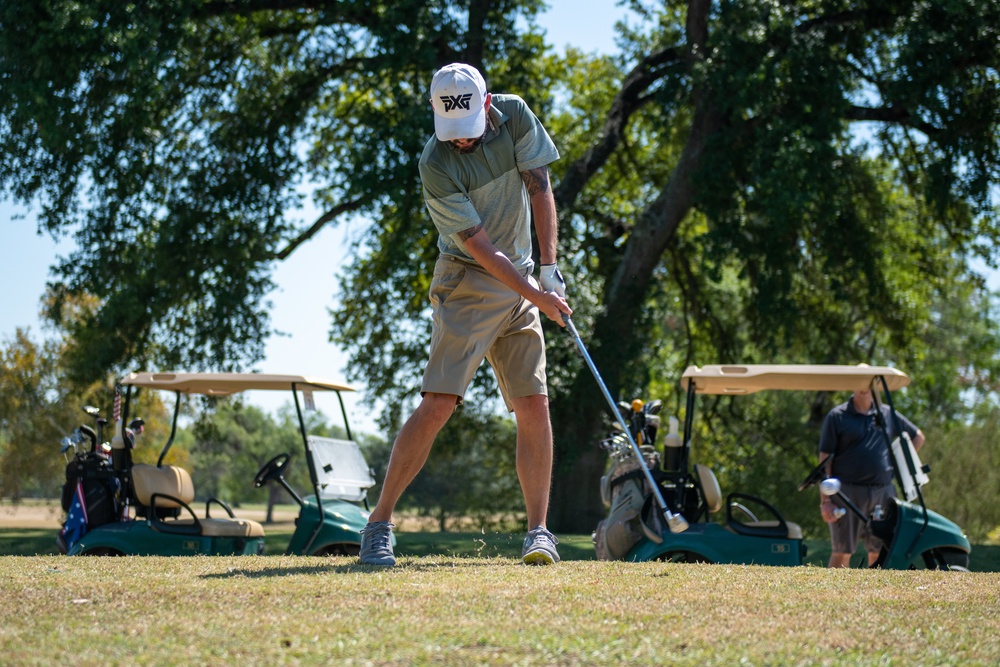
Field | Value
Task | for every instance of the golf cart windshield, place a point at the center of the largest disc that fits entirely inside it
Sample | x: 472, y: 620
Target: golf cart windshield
x: 736, y: 379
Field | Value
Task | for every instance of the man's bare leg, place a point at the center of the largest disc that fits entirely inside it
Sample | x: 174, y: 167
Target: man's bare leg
x: 534, y: 455
x: 840, y: 560
x: 410, y: 450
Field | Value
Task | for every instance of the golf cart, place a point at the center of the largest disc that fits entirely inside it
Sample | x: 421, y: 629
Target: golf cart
x: 754, y: 531
x: 329, y: 520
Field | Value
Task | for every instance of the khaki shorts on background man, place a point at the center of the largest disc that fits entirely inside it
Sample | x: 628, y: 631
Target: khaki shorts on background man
x: 476, y: 317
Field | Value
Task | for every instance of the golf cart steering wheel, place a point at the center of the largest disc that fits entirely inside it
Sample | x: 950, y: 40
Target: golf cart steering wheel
x: 817, y: 475
x: 271, y: 470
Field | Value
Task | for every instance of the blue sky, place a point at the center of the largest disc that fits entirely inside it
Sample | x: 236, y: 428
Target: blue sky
x: 306, y: 280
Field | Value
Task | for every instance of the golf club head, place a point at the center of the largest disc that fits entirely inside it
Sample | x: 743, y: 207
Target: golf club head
x: 66, y: 444
x: 829, y: 487
x: 677, y: 523
x: 91, y: 410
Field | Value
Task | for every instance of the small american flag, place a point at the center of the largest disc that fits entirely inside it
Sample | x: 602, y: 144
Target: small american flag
x: 76, y: 521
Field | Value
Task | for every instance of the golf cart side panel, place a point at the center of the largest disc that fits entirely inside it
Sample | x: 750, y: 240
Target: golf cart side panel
x: 137, y: 538
x: 341, y: 525
x: 940, y: 533
x: 738, y: 379
x: 714, y: 543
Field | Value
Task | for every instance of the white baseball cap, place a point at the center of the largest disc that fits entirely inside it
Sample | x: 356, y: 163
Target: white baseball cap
x: 458, y: 95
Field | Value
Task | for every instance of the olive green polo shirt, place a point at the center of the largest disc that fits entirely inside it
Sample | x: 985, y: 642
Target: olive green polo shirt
x: 485, y: 186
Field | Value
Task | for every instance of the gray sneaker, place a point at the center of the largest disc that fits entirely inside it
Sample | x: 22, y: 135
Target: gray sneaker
x: 540, y: 547
x: 376, y: 544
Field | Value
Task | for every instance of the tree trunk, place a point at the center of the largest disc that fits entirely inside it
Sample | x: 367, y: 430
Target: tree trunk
x: 616, y: 341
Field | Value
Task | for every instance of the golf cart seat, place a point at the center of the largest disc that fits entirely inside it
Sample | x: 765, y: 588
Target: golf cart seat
x: 171, y: 488
x: 709, y: 487
x: 710, y: 491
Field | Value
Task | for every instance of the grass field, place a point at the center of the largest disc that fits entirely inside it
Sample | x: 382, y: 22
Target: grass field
x: 465, y: 599
x: 441, y: 610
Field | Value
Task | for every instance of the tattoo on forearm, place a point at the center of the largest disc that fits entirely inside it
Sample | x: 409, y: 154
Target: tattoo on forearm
x: 536, y: 180
x: 467, y: 234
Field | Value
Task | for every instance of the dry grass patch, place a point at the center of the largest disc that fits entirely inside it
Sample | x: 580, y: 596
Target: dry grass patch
x: 461, y: 611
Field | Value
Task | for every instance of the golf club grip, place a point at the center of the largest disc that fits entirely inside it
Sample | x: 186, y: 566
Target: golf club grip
x: 676, y: 523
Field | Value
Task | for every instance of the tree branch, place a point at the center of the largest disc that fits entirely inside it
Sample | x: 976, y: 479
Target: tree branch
x: 890, y: 114
x: 647, y: 72
x: 336, y: 211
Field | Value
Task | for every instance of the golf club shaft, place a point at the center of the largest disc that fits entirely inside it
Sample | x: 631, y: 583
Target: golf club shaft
x: 675, y: 522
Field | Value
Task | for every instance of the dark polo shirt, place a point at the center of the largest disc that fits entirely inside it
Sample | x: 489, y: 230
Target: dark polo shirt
x: 860, y: 449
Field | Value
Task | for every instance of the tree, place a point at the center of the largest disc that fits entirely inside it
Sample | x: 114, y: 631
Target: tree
x: 34, y: 416
x: 749, y: 181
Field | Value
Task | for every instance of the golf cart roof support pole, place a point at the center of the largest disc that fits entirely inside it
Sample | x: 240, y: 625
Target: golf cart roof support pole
x: 909, y: 464
x: 343, y: 411
x: 675, y: 522
x: 128, y: 398
x: 173, y: 430
x: 312, y: 470
x: 688, y: 425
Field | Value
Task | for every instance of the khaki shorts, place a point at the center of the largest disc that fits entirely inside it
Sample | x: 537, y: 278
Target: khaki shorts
x: 846, y: 531
x: 477, y: 317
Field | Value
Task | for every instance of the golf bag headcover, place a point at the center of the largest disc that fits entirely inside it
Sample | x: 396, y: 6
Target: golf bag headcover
x: 627, y: 489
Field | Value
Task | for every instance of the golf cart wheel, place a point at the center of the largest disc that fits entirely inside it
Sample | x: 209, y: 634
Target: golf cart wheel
x: 682, y: 557
x: 101, y: 551
x: 954, y: 560
x: 338, y: 550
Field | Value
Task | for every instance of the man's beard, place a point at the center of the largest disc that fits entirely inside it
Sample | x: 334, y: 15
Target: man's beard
x: 471, y: 148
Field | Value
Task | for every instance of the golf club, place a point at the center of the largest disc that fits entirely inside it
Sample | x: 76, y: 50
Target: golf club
x: 675, y: 522
x: 831, y: 487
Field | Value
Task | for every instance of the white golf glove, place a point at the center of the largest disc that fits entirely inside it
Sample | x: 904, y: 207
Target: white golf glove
x: 552, y: 280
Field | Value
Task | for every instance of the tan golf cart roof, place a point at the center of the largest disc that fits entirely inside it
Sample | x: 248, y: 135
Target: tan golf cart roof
x: 223, y: 384
x: 736, y: 379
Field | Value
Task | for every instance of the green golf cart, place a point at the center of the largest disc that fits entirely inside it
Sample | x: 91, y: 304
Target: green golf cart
x: 754, y: 532
x: 153, y: 511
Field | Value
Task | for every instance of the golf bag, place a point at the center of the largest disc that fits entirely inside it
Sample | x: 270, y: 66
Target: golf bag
x: 100, y: 487
x: 624, y: 490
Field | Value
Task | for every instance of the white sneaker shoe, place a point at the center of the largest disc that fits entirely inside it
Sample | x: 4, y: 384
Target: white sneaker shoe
x: 540, y: 547
x: 376, y: 544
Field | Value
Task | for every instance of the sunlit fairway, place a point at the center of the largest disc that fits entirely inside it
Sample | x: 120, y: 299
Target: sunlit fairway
x: 465, y: 610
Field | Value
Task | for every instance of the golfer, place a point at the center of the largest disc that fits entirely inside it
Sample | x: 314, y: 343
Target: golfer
x: 484, y: 178
x: 857, y: 452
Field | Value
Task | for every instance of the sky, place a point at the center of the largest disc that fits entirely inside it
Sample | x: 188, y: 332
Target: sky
x: 306, y: 281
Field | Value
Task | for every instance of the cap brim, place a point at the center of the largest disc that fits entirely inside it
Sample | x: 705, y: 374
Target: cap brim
x: 470, y: 127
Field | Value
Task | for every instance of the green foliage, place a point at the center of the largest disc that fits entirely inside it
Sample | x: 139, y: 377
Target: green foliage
x: 35, y: 414
x: 747, y: 182
x: 173, y: 140
x: 964, y: 458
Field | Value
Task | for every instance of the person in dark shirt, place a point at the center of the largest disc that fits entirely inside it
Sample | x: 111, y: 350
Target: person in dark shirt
x: 857, y: 452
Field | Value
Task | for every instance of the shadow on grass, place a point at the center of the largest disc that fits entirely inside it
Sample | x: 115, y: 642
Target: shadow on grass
x: 404, y: 564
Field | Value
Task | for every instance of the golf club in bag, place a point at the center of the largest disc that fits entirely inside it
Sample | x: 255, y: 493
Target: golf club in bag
x: 675, y: 522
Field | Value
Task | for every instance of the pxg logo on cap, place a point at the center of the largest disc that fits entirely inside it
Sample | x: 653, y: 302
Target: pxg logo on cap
x: 458, y: 96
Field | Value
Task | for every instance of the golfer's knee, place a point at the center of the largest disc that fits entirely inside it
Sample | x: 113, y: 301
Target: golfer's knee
x: 438, y: 407
x: 530, y: 404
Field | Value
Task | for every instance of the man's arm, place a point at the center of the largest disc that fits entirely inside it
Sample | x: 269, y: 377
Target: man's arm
x: 543, y: 209
x: 499, y: 266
